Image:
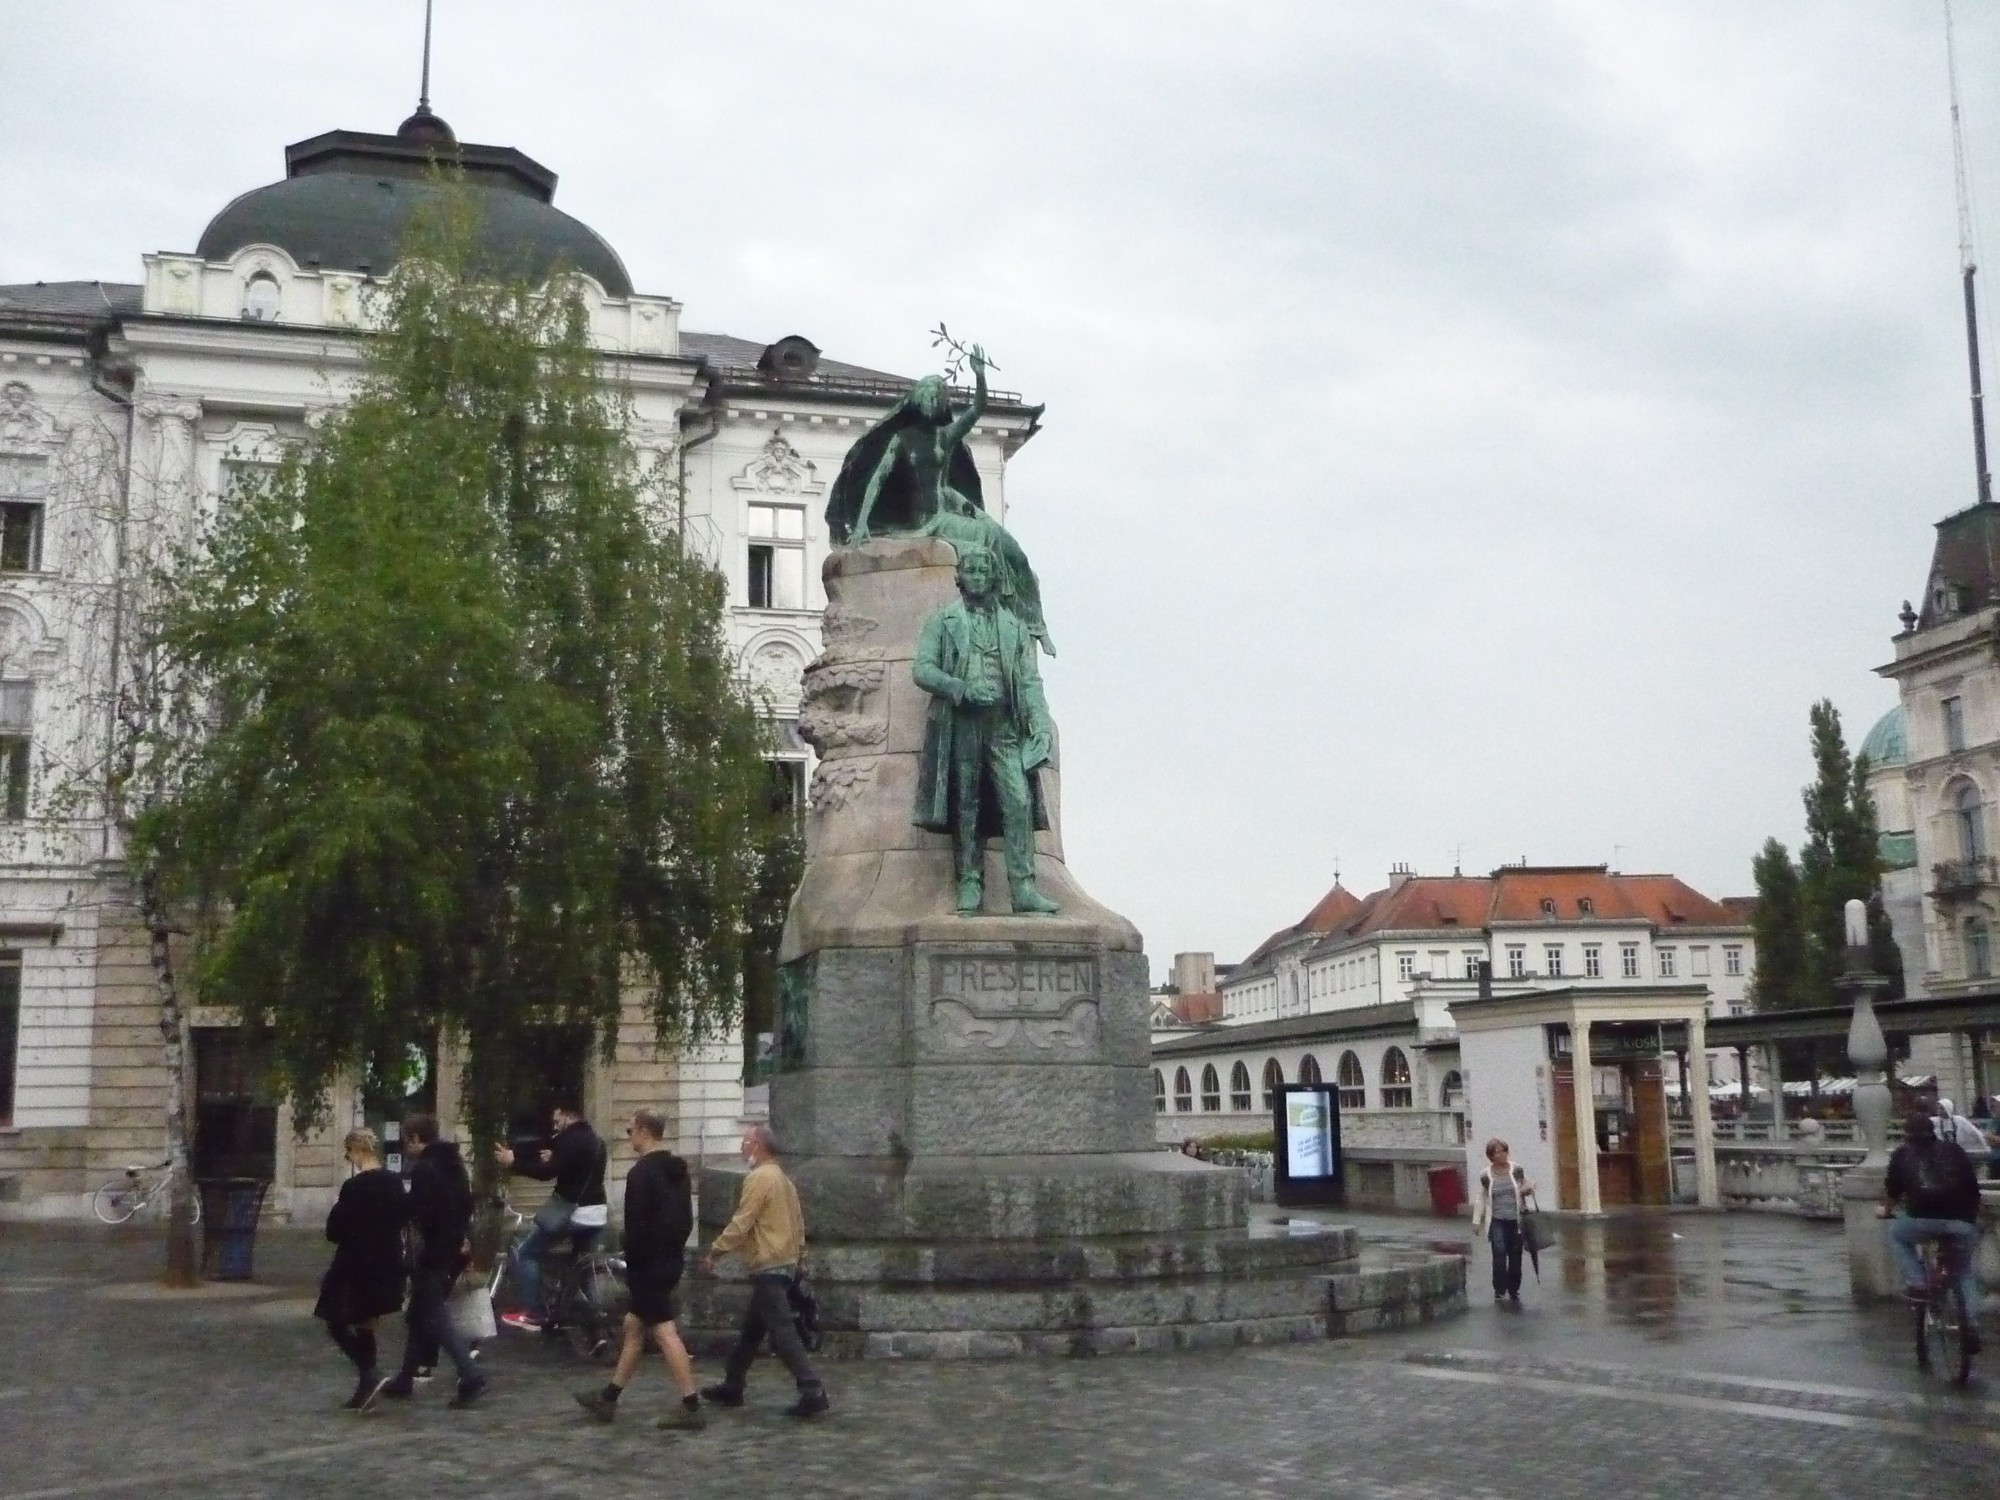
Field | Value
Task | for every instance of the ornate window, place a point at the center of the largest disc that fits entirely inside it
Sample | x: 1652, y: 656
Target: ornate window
x: 1353, y: 1082
x: 24, y: 489
x: 1273, y: 1076
x: 261, y: 298
x: 1396, y: 1090
x: 777, y: 556
x: 17, y: 727
x: 1451, y: 1093
x: 1309, y: 1069
x: 1159, y: 1092
x: 1211, y: 1089
x: 1239, y: 1087
x: 1183, y: 1092
x: 1971, y: 819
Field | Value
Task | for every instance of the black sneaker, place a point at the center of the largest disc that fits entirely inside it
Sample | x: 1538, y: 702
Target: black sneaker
x: 811, y: 1403
x: 469, y: 1391
x: 395, y: 1388
x: 376, y: 1392
x: 364, y: 1388
x: 595, y: 1403
x: 722, y: 1395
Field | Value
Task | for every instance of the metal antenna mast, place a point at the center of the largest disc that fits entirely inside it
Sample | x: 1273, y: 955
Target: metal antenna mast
x: 1968, y: 268
x: 424, y: 92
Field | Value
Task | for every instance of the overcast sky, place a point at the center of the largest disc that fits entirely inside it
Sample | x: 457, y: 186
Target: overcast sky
x: 1476, y: 426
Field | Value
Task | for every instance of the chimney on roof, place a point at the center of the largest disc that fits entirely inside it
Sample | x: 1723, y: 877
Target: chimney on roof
x: 1398, y: 873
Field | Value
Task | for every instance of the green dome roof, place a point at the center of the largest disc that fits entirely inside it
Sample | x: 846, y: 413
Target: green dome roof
x: 1888, y: 743
x: 348, y: 198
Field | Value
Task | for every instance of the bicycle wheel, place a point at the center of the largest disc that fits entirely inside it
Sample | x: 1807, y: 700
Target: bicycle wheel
x: 115, y: 1202
x: 1948, y: 1319
x: 593, y: 1310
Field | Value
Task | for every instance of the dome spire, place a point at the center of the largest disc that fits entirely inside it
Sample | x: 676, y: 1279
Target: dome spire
x: 423, y: 125
x: 424, y: 89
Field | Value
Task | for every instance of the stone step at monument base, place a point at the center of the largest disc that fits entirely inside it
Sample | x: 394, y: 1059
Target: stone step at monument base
x: 1132, y: 1294
x: 1052, y: 1199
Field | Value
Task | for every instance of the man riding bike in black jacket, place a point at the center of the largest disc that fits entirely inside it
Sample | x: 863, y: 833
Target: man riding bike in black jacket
x: 575, y: 1159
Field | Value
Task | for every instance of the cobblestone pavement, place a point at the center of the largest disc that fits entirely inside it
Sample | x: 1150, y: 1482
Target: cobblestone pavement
x: 1724, y: 1361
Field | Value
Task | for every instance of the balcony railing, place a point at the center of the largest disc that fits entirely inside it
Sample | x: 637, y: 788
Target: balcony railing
x: 1956, y: 878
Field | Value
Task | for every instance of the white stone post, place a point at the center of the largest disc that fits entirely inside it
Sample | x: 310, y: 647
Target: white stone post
x: 1871, y: 1269
x: 1707, y: 1191
x: 1582, y: 1099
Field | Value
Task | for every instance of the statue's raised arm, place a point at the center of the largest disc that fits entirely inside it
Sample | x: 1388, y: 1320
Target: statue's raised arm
x: 963, y: 423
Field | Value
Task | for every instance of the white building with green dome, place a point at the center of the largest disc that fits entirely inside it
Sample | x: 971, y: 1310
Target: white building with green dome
x: 126, y: 408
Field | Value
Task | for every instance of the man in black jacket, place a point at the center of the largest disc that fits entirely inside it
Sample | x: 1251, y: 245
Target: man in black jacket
x: 576, y: 1207
x: 1934, y: 1184
x: 659, y: 1217
x: 441, y: 1215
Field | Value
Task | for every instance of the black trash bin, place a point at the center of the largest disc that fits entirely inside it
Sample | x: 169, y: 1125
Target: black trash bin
x: 229, y: 1210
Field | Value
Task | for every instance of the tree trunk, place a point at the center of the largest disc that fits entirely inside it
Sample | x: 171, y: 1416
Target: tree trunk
x: 183, y: 1262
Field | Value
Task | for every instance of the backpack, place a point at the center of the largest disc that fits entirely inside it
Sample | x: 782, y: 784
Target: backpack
x: 1935, y: 1190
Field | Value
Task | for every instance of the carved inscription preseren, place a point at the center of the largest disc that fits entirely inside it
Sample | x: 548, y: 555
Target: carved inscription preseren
x: 992, y: 1001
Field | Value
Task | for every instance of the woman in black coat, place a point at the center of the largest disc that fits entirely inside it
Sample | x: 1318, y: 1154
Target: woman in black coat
x: 365, y: 1280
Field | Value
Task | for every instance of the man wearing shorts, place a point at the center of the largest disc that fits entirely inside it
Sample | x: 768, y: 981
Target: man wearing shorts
x: 659, y: 1217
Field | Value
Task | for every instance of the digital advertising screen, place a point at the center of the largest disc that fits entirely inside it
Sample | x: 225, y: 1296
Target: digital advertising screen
x: 1308, y: 1146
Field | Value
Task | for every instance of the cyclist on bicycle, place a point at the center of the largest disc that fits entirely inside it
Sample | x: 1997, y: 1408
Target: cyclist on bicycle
x: 1938, y: 1192
x: 575, y: 1159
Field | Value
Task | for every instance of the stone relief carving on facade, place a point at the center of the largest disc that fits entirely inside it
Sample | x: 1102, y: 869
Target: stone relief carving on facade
x: 774, y: 670
x: 960, y: 1030
x: 779, y: 470
x: 24, y: 426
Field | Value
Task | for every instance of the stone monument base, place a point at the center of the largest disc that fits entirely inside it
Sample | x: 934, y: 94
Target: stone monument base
x: 978, y: 1297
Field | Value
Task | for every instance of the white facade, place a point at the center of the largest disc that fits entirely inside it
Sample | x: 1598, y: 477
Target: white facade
x: 123, y: 411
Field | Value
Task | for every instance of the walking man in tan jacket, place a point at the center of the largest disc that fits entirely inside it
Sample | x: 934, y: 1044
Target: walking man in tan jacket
x: 770, y: 1232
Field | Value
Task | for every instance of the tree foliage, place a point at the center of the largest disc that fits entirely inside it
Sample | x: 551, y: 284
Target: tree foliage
x: 1801, y: 922
x: 477, y: 760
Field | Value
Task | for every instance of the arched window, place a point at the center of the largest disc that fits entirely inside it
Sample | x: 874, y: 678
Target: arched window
x: 260, y: 298
x: 1308, y: 1069
x: 1971, y: 819
x: 1183, y: 1092
x: 1159, y: 1092
x: 1451, y: 1093
x: 1396, y: 1091
x: 1239, y: 1087
x: 1273, y: 1076
x: 1978, y: 949
x: 1211, y: 1089
x: 1353, y: 1083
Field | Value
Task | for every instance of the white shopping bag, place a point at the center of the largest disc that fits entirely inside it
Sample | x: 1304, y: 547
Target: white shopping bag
x: 470, y: 1310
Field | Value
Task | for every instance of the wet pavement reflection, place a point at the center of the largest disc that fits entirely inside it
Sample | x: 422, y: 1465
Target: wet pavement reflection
x: 1742, y: 1293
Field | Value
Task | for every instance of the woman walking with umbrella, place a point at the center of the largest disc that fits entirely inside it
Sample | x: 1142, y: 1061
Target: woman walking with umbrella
x: 1497, y: 1211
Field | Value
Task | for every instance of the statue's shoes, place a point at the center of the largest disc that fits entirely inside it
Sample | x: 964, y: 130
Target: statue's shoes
x: 1032, y: 903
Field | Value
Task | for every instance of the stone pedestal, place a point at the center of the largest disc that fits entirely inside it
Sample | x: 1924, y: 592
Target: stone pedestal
x: 965, y: 1101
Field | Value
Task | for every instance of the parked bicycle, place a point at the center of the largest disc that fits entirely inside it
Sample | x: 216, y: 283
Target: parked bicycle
x: 122, y: 1197
x: 583, y: 1291
x: 1943, y: 1319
